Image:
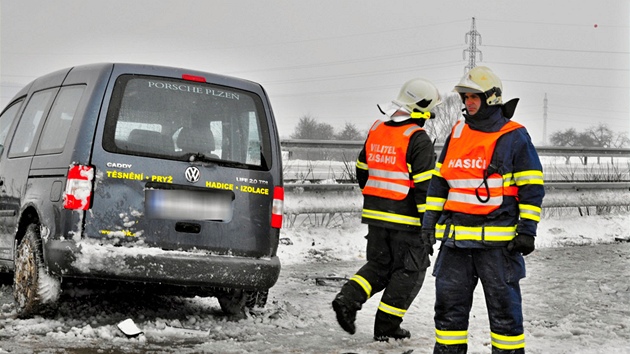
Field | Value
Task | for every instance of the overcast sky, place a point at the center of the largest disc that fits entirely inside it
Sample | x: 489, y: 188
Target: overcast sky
x: 334, y: 60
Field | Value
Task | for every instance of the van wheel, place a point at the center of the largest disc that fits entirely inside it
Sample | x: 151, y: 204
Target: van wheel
x: 257, y: 298
x: 33, y: 289
x: 232, y: 303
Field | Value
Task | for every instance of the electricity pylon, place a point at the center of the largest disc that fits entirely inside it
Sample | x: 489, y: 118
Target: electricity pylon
x: 471, y: 39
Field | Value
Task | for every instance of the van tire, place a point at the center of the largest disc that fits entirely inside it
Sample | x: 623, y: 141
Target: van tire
x: 28, y: 285
x: 232, y: 303
x: 256, y: 298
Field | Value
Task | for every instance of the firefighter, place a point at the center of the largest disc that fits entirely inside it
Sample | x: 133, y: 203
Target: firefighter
x: 393, y: 170
x: 483, y: 204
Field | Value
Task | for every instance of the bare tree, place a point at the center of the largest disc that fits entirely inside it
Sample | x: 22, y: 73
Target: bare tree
x: 567, y: 137
x: 447, y: 115
x: 603, y: 136
x: 596, y: 136
x: 309, y: 128
x: 350, y: 133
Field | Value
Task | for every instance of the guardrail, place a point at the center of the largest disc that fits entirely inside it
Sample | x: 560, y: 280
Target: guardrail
x: 316, y: 160
x: 296, y: 144
x: 347, y: 198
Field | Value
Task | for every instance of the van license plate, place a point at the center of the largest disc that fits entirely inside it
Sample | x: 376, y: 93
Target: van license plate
x: 188, y: 205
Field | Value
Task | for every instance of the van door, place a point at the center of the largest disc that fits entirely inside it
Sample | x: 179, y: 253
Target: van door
x: 7, y: 210
x: 184, y: 165
x: 16, y: 162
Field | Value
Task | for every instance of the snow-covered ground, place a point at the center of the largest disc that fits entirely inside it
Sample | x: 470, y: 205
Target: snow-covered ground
x: 576, y: 300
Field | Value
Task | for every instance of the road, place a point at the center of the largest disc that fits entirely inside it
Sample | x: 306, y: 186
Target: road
x: 576, y: 300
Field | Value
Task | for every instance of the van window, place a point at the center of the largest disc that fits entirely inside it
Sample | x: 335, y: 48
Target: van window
x: 28, y: 127
x: 6, y: 119
x: 57, y: 125
x: 177, y: 119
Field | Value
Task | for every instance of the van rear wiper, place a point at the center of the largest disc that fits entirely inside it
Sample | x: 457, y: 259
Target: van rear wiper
x: 198, y: 156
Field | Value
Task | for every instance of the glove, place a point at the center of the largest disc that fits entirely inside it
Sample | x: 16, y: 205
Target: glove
x: 522, y: 243
x: 428, y: 239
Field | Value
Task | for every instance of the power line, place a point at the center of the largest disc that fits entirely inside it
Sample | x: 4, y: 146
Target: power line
x: 565, y: 84
x: 381, y: 72
x: 557, y: 49
x: 558, y: 24
x: 351, y: 61
x: 585, y: 115
x: 559, y: 66
x: 599, y: 110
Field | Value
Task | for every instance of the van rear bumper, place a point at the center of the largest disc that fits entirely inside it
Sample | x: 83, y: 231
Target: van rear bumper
x: 154, y: 265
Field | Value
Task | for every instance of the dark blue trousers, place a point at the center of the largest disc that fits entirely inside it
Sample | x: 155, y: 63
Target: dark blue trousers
x: 457, y: 272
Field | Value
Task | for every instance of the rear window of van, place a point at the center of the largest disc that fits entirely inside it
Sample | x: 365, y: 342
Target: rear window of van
x: 185, y: 120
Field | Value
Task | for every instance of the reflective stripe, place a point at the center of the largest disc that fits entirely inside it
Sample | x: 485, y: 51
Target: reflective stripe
x: 528, y: 177
x: 508, y: 180
x: 391, y: 310
x: 507, y: 342
x: 363, y: 283
x: 422, y: 176
x: 475, y: 183
x: 472, y: 199
x: 389, y: 174
x: 362, y: 165
x: 421, y: 208
x: 457, y: 130
x: 477, y: 233
x: 436, y: 170
x: 451, y: 337
x: 376, y: 124
x: 463, y: 233
x: 390, y: 217
x: 439, y: 231
x: 435, y: 203
x: 531, y: 212
x: 390, y: 186
x: 498, y: 233
x: 411, y: 130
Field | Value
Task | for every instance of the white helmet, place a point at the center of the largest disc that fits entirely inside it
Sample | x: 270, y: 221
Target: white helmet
x: 418, y: 95
x: 481, y: 79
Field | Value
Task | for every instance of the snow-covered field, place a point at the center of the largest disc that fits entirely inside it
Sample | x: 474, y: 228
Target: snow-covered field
x: 576, y: 300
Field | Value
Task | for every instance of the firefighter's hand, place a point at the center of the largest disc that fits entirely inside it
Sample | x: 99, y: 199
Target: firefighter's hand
x: 428, y: 239
x: 522, y: 243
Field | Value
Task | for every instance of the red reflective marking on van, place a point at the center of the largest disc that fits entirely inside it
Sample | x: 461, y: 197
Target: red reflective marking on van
x: 195, y: 78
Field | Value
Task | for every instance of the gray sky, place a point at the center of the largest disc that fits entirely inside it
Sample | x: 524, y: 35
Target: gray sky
x: 335, y: 60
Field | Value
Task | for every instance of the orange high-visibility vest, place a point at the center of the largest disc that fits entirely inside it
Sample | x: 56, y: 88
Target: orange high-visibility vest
x: 386, y: 157
x: 468, y: 156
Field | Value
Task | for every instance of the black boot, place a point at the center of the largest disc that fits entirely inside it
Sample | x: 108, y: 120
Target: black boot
x: 450, y: 349
x: 496, y: 350
x: 399, y: 333
x: 388, y: 326
x: 346, y: 311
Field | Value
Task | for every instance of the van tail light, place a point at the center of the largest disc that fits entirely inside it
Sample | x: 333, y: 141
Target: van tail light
x: 78, y: 194
x: 276, y: 207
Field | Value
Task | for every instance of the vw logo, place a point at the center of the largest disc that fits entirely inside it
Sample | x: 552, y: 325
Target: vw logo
x: 192, y: 174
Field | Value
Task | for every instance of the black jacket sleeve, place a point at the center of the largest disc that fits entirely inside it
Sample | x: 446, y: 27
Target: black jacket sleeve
x: 421, y: 161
